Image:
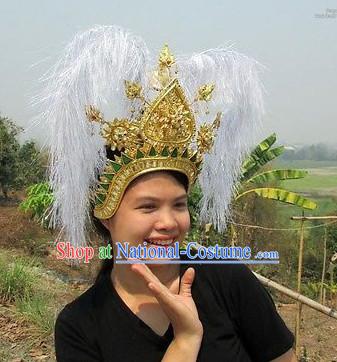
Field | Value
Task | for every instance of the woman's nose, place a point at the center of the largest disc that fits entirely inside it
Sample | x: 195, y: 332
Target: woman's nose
x: 166, y: 221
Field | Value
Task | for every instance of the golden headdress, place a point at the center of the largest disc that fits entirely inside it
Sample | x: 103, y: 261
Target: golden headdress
x: 195, y: 114
x: 161, y: 139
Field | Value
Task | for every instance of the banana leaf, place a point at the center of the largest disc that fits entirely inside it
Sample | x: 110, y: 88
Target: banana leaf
x: 262, y: 147
x: 281, y: 195
x: 266, y: 157
x: 277, y: 175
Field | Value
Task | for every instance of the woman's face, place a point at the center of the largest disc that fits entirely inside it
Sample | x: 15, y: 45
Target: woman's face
x: 154, y: 209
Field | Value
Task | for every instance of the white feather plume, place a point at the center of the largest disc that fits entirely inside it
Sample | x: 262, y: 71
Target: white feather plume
x: 238, y: 95
x: 91, y: 71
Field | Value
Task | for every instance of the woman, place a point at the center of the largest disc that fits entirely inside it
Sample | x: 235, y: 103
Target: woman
x: 190, y: 118
x: 161, y: 312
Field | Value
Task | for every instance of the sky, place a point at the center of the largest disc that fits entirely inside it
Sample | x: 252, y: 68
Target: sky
x: 295, y: 40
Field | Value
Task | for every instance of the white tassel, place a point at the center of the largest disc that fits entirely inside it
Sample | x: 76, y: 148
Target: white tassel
x: 238, y: 95
x: 91, y: 71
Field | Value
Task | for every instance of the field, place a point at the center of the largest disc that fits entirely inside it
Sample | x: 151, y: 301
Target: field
x: 320, y: 181
x: 320, y: 184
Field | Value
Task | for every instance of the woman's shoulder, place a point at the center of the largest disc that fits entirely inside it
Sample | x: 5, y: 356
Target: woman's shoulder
x: 78, y: 313
x: 76, y: 327
x: 82, y: 309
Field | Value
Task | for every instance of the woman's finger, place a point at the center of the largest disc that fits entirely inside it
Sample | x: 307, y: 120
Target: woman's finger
x: 186, y: 283
x: 174, y: 310
x: 149, y: 278
x: 145, y: 272
x: 160, y: 291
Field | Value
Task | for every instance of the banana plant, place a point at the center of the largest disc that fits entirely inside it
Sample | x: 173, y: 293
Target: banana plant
x: 259, y: 157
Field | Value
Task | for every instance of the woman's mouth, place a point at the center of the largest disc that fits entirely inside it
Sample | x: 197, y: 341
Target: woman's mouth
x: 160, y: 242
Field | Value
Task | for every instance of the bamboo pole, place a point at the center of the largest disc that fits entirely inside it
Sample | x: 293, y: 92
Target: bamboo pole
x: 324, y: 266
x: 299, y: 279
x: 333, y: 217
x: 297, y: 296
x: 332, y: 269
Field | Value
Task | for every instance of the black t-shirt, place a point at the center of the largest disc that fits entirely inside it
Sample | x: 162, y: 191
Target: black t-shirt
x: 238, y: 315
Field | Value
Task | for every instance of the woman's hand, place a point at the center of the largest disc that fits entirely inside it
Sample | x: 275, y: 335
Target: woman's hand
x: 179, y: 308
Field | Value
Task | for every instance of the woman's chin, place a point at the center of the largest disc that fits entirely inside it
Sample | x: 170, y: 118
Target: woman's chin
x: 159, y: 262
x: 162, y: 266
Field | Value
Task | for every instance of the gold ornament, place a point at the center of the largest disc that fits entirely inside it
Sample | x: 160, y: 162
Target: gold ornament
x: 205, y: 92
x: 93, y: 114
x: 133, y: 90
x: 205, y: 138
x: 120, y: 134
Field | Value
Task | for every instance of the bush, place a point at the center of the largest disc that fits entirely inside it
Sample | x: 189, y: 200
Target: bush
x: 39, y: 198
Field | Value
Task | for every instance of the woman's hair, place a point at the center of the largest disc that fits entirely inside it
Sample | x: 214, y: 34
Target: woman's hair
x: 103, y: 232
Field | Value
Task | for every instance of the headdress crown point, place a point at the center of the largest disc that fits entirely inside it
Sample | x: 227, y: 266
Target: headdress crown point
x: 166, y: 58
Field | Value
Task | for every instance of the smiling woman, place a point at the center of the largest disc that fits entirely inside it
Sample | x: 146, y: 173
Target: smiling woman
x: 170, y: 133
x: 156, y: 306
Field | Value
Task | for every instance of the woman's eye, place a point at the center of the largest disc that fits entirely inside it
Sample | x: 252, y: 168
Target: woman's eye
x: 147, y: 206
x: 181, y: 204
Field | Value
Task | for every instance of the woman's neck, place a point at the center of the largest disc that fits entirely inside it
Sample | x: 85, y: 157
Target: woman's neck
x: 124, y: 278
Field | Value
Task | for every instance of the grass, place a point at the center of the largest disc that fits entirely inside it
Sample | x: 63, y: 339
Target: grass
x: 37, y: 309
x: 20, y: 284
x: 16, y: 280
x: 32, y: 298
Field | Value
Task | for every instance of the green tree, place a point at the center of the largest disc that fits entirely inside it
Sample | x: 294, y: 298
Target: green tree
x: 20, y: 165
x: 31, y: 164
x: 9, y: 147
